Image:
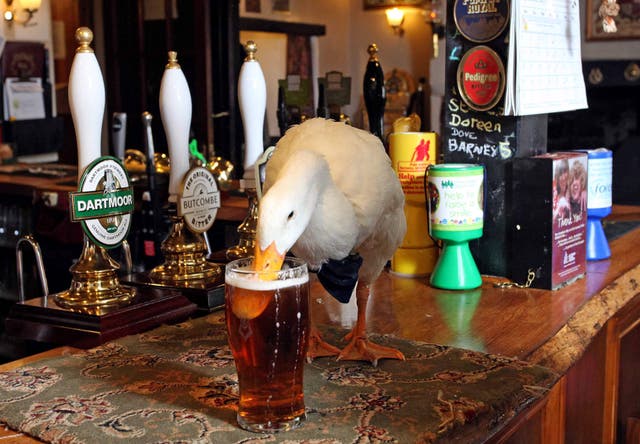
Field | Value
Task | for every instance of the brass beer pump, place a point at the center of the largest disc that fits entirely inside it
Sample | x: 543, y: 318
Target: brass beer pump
x: 184, y: 250
x: 185, y: 259
x: 247, y: 229
x: 252, y: 98
x: 95, y: 288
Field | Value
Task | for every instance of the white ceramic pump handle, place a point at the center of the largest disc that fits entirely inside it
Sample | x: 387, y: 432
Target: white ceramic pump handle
x: 175, y: 112
x: 252, y: 98
x: 86, y: 100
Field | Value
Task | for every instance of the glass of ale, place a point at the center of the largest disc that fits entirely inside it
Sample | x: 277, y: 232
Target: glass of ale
x: 267, y: 317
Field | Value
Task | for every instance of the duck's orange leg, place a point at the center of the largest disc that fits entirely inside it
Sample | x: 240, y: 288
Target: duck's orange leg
x: 359, y: 347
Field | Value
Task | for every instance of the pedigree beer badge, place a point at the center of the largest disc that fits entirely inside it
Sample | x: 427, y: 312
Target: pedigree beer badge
x: 200, y: 200
x: 481, y: 20
x: 103, y: 202
x: 481, y: 78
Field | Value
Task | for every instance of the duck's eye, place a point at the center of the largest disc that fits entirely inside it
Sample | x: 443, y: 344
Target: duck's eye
x: 291, y: 215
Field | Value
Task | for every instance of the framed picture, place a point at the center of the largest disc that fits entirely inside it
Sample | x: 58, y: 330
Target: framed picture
x: 627, y: 21
x: 281, y: 5
x: 374, y: 4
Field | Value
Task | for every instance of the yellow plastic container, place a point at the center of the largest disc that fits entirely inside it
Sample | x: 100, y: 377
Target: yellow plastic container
x: 411, y: 153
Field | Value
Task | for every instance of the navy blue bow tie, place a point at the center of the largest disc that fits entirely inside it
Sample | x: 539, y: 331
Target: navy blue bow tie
x: 339, y: 277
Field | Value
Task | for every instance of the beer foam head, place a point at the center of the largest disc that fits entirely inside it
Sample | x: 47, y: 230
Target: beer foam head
x: 240, y: 274
x: 250, y: 281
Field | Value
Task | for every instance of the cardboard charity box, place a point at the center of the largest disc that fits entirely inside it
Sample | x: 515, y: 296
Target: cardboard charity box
x: 549, y: 219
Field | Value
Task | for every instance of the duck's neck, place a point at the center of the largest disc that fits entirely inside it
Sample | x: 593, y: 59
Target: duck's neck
x: 330, y: 234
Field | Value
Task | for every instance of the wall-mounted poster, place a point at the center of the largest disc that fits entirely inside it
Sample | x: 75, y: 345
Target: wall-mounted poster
x: 281, y: 5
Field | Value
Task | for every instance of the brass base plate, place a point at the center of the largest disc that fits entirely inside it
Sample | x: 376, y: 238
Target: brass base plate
x: 205, y: 276
x: 108, y: 302
x: 43, y: 320
x: 208, y: 297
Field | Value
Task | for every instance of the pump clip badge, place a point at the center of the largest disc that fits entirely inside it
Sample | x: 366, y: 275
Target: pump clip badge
x: 481, y: 78
x: 104, y: 202
x: 200, y: 199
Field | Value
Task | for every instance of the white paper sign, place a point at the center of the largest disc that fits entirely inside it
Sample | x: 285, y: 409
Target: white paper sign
x: 24, y: 99
x: 544, y: 68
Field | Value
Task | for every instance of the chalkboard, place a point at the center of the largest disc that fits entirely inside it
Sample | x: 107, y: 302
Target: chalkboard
x: 489, y: 138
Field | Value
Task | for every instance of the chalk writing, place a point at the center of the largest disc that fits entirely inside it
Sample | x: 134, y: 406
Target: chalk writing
x: 456, y: 105
x: 455, y: 132
x: 485, y: 149
x: 472, y: 122
x: 454, y: 53
x: 475, y: 135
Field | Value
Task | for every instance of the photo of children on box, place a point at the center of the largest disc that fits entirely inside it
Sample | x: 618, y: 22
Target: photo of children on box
x: 570, y: 190
x: 569, y: 214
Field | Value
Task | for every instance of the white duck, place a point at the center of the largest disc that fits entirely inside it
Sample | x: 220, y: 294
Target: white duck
x: 330, y: 192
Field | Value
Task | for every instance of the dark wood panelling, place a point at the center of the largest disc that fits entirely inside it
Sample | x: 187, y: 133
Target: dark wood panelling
x: 255, y: 24
x: 205, y: 35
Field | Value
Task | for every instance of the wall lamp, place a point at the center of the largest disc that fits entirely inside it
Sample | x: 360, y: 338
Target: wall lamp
x: 395, y: 18
x: 11, y: 13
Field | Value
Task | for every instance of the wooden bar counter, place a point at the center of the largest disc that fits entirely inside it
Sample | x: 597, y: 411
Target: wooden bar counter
x: 15, y: 181
x: 587, y: 332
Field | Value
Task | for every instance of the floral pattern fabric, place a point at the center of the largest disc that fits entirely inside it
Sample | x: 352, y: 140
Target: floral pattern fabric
x: 177, y: 384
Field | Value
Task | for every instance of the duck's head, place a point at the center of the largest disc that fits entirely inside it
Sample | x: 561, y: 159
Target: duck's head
x: 287, y: 207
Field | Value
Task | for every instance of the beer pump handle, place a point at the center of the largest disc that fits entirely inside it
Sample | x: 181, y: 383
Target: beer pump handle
x: 323, y: 109
x: 147, y: 118
x: 282, y: 113
x: 374, y: 93
x: 175, y: 112
x: 86, y: 100
x: 252, y: 97
x: 119, y: 134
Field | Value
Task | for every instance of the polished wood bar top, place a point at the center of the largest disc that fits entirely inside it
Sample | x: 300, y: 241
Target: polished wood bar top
x: 16, y: 179
x: 550, y: 328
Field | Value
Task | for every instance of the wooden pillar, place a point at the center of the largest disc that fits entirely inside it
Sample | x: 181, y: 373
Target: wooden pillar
x: 474, y: 127
x: 226, y: 54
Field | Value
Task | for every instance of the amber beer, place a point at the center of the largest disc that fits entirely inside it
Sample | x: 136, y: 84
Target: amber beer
x: 268, y: 328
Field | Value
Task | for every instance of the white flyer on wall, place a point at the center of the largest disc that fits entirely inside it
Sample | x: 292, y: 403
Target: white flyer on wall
x: 24, y: 99
x: 544, y: 69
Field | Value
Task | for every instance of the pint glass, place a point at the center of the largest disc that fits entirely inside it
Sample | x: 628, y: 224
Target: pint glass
x: 267, y: 317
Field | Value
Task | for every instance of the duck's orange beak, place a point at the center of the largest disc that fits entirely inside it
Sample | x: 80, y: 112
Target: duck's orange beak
x: 268, y: 259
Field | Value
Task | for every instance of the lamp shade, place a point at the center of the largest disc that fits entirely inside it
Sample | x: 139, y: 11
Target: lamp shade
x: 31, y: 4
x: 395, y: 17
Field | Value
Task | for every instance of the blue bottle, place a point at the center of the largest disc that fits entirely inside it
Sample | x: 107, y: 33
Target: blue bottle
x: 600, y: 169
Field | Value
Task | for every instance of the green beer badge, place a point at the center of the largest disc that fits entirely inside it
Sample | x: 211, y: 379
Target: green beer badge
x: 103, y: 202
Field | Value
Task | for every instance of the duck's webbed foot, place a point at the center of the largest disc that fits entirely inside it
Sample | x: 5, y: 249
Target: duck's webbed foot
x: 360, y: 348
x: 318, y: 347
